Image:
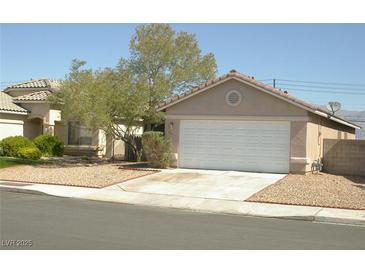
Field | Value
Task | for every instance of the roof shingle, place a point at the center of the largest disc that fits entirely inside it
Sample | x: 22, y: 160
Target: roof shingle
x: 35, y: 84
x: 6, y: 104
x: 35, y: 96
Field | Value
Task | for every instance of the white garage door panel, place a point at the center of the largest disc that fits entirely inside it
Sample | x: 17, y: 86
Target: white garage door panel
x: 235, y: 145
x: 9, y: 129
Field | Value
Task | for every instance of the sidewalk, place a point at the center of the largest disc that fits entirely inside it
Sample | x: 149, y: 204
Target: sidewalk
x: 318, y: 214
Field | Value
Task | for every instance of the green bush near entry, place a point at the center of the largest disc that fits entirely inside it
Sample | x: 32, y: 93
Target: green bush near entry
x: 32, y: 153
x: 12, y: 145
x: 49, y: 145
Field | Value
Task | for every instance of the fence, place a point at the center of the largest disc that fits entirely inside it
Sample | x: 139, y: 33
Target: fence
x: 129, y: 153
x: 346, y: 157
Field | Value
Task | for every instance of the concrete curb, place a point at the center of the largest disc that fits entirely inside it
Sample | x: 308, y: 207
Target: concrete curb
x: 23, y: 190
x: 343, y: 221
x: 239, y: 208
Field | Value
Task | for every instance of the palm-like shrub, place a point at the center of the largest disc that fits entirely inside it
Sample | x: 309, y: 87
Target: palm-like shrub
x: 156, y: 149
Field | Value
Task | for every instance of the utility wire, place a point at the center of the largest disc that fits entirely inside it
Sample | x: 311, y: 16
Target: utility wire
x: 320, y: 87
x: 265, y: 80
x: 325, y: 91
x: 323, y: 83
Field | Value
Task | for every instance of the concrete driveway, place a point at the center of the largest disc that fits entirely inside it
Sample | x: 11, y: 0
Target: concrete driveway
x: 214, y: 184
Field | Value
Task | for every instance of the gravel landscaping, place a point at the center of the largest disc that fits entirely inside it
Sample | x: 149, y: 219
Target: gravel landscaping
x: 322, y: 189
x: 89, y: 175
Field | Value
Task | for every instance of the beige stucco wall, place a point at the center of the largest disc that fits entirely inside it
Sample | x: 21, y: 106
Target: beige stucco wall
x: 298, y: 148
x: 319, y: 128
x: 254, y: 102
x: 33, y: 128
x: 305, y: 145
x: 41, y: 111
x: 61, y: 130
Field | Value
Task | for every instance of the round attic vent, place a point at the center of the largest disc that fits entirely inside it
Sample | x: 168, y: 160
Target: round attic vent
x: 233, y: 98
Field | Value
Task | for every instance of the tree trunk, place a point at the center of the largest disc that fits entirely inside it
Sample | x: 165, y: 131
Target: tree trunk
x: 138, y: 156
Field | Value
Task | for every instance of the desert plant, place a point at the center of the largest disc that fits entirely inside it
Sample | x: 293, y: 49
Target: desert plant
x: 32, y: 153
x: 49, y: 145
x: 11, y: 146
x: 162, y: 62
x: 156, y: 148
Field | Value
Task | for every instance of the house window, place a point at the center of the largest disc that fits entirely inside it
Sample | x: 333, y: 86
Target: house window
x: 78, y: 134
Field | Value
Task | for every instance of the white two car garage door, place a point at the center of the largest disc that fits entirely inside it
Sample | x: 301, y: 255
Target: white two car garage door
x: 10, y: 128
x: 257, y: 146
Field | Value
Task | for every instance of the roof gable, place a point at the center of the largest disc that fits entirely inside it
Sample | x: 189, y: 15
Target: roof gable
x: 260, y: 86
x: 252, y: 103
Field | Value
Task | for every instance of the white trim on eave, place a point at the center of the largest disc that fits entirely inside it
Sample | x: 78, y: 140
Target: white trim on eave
x: 29, y: 101
x: 14, y: 112
x: 267, y: 92
x: 323, y: 114
x: 236, y: 117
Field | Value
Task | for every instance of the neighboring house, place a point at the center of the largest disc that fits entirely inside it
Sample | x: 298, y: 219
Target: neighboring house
x: 12, y: 117
x: 235, y: 122
x: 24, y: 110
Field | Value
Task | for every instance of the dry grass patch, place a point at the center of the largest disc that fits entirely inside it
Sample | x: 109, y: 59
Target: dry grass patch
x: 93, y: 175
x: 322, y: 189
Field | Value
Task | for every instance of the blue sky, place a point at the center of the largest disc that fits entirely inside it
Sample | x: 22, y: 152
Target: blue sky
x: 309, y: 52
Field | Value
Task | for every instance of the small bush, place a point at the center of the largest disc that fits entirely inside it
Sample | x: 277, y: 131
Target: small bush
x: 49, y: 145
x: 11, y: 146
x: 85, y: 158
x: 156, y: 148
x: 32, y: 153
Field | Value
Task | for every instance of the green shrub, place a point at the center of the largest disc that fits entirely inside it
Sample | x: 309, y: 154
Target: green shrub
x: 30, y: 153
x: 49, y: 145
x: 10, y: 146
x: 85, y: 158
x: 156, y: 148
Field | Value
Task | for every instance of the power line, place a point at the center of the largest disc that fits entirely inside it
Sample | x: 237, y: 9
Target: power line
x: 323, y: 83
x: 265, y: 80
x: 326, y: 91
x: 321, y: 87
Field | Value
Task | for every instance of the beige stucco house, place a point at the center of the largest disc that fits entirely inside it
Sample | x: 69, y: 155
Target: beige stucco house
x: 24, y: 110
x: 235, y: 122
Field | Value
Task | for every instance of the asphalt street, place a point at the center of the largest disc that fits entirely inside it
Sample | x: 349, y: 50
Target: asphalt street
x: 31, y: 221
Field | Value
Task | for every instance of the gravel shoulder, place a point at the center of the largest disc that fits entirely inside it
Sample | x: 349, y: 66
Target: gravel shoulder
x: 324, y: 190
x: 93, y: 175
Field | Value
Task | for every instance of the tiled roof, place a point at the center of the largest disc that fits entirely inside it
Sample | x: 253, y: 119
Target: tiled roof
x: 35, y: 96
x: 35, y: 84
x: 251, y: 80
x: 6, y: 104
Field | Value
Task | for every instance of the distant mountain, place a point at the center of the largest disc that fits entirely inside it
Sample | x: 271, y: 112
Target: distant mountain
x: 357, y: 117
